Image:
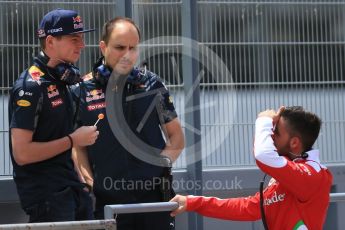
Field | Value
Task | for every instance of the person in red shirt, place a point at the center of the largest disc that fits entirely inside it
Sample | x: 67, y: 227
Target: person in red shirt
x: 297, y: 196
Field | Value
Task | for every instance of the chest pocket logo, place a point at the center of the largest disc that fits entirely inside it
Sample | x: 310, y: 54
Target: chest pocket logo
x: 96, y: 106
x: 52, y: 91
x: 94, y: 95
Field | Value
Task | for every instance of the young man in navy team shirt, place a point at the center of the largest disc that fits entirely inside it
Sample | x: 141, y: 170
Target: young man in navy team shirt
x: 41, y: 125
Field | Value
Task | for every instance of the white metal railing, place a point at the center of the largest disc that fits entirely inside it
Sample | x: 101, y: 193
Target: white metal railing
x: 110, y: 210
x: 67, y: 225
x: 109, y: 223
x: 337, y: 197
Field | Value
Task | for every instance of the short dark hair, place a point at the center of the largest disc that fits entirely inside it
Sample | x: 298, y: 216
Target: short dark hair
x: 302, y: 123
x: 109, y: 26
x: 43, y: 41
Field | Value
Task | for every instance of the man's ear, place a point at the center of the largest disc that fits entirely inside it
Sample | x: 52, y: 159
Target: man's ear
x: 49, y: 41
x: 295, y: 143
x: 102, y: 46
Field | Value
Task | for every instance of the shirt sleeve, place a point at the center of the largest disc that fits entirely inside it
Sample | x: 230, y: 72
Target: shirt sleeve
x: 168, y: 109
x: 26, y: 102
x: 299, y: 178
x: 240, y: 209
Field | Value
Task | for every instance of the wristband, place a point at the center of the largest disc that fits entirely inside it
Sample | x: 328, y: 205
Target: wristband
x: 70, y: 140
x: 165, y: 161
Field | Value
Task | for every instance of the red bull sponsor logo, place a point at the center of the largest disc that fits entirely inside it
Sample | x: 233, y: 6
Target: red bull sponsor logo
x: 52, y: 91
x: 41, y: 33
x: 77, y: 19
x: 77, y: 22
x: 51, y: 88
x: 87, y: 77
x: 96, y: 106
x: 35, y: 73
x: 78, y: 26
x: 95, y: 94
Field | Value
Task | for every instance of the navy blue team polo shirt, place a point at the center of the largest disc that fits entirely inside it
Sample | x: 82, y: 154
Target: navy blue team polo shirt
x: 42, y: 104
x: 109, y: 160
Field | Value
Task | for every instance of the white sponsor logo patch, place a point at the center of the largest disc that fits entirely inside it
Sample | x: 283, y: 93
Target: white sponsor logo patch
x: 78, y: 26
x: 274, y: 199
x: 94, y: 95
x: 55, y: 30
x: 22, y: 93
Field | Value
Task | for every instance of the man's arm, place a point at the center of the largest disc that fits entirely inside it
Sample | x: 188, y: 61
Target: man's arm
x: 26, y: 151
x: 81, y: 160
x: 23, y: 118
x: 175, y: 142
x: 242, y: 208
x: 300, y: 179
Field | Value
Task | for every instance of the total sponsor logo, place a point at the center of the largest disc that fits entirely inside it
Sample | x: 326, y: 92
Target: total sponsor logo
x: 274, y: 199
x: 95, y: 94
x: 52, y: 91
x: 57, y: 102
x: 96, y: 106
